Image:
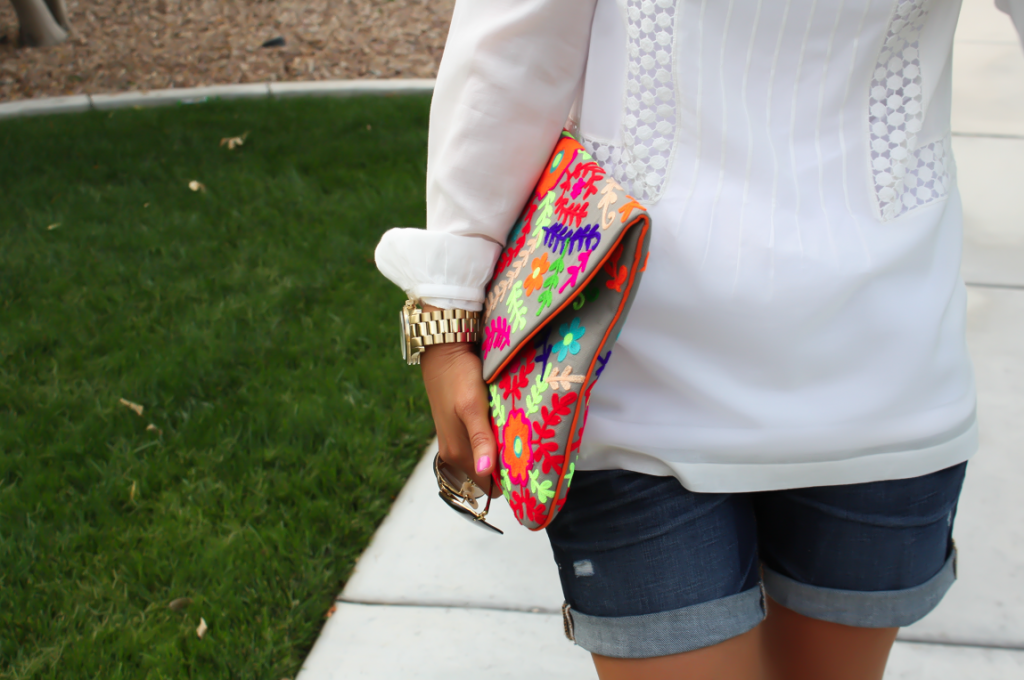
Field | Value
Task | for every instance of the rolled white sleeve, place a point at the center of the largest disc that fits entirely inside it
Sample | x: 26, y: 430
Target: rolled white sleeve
x: 1015, y: 8
x: 504, y: 88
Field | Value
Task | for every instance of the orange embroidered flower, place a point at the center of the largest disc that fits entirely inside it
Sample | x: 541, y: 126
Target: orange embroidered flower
x: 517, y: 447
x: 536, y: 279
x: 561, y: 158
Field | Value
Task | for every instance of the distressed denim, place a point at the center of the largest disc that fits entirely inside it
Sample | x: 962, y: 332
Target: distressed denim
x: 650, y: 569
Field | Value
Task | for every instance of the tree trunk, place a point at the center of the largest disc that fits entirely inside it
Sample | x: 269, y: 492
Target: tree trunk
x: 59, y: 12
x: 43, y: 22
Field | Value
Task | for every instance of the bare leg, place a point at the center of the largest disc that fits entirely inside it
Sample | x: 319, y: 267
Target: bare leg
x: 796, y: 647
x: 738, y: 658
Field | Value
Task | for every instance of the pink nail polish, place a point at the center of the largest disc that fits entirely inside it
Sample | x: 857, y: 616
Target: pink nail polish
x: 483, y: 464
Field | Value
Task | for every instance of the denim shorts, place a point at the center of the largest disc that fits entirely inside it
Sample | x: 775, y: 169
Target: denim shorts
x: 650, y: 569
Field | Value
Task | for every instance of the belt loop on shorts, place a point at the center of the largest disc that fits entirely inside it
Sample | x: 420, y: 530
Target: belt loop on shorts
x: 567, y: 622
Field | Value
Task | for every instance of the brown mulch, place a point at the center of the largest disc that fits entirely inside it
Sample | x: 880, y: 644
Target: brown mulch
x: 117, y: 45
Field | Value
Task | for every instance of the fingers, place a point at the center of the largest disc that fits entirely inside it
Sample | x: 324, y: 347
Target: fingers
x: 453, y: 377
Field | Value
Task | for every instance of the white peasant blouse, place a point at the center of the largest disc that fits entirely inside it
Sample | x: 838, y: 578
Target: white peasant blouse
x: 801, y: 321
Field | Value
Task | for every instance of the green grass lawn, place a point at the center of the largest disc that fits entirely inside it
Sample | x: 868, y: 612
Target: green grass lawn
x: 251, y: 324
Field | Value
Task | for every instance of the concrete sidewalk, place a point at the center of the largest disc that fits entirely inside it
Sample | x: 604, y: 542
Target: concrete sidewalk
x: 433, y: 597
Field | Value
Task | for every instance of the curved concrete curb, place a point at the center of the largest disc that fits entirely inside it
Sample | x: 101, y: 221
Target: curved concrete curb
x: 196, y: 95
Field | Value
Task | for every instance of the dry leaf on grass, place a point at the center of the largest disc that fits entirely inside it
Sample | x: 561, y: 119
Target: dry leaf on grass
x: 153, y: 428
x: 179, y: 604
x: 196, y: 186
x: 232, y: 142
x: 330, y: 612
x: 201, y: 630
x: 132, y: 405
x: 53, y: 226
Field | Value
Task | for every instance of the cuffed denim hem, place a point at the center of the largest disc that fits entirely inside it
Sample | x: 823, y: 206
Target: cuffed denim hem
x: 878, y: 609
x: 672, y: 632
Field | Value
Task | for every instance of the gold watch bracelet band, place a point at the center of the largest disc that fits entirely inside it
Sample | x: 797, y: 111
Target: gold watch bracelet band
x: 422, y: 328
x: 443, y: 326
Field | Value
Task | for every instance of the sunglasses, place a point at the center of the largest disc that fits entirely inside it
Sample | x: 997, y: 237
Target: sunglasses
x: 460, y: 493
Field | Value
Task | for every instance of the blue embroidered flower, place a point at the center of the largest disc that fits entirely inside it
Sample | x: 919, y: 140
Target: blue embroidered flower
x: 570, y: 335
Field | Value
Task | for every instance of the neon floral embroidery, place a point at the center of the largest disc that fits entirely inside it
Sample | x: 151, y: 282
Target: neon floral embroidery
x: 539, y: 373
x: 627, y: 209
x: 509, y: 254
x: 571, y: 213
x: 513, y: 383
x: 561, y: 158
x: 608, y: 199
x: 536, y: 279
x: 542, y: 490
x: 576, y: 270
x: 545, y: 214
x: 515, y: 307
x: 583, y: 179
x: 545, y: 447
x: 517, y: 447
x: 566, y: 379
x: 569, y: 344
x: 585, y: 238
x: 497, y: 408
x: 525, y: 506
x: 496, y: 335
x: 537, y: 390
x: 555, y: 236
x: 615, y: 271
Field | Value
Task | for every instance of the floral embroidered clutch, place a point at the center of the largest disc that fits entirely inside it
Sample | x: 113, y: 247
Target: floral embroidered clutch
x: 555, y: 306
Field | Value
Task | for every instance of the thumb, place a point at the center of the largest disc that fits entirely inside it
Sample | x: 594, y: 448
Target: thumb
x: 477, y: 420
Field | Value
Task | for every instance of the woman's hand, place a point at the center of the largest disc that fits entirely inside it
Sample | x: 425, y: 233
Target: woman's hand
x: 453, y: 377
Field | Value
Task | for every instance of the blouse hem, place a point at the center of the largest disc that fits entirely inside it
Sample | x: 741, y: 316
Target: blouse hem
x: 774, y: 476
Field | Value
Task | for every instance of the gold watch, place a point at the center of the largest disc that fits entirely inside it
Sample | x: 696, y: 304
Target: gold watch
x: 422, y: 329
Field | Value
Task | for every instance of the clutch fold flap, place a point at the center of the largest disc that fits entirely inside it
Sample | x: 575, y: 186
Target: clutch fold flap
x: 568, y: 233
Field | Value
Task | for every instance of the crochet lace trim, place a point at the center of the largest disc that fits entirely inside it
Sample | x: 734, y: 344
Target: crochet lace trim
x: 905, y: 176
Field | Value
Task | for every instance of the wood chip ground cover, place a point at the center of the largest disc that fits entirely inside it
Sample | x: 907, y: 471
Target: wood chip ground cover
x: 118, y: 45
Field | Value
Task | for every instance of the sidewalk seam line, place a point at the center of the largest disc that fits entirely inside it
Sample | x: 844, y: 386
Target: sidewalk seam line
x: 988, y: 135
x: 555, y: 612
x: 1005, y: 286
x: 961, y: 643
x: 532, y: 610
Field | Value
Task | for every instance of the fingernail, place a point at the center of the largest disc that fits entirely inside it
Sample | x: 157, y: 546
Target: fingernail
x: 483, y: 464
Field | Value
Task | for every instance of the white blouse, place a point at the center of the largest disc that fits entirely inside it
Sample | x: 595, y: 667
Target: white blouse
x: 801, y: 321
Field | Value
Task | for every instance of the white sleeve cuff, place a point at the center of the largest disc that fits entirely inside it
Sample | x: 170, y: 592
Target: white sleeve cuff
x: 442, y: 269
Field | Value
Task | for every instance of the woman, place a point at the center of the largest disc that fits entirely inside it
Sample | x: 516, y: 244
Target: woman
x: 772, y: 461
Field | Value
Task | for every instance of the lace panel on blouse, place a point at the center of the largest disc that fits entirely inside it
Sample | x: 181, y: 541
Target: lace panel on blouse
x: 905, y: 176
x: 642, y: 163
